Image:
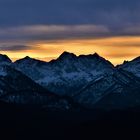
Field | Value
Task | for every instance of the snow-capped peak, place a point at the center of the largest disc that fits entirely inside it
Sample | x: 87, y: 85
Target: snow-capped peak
x: 27, y: 58
x: 66, y: 74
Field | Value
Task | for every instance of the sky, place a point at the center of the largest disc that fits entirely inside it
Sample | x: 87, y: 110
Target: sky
x: 44, y: 29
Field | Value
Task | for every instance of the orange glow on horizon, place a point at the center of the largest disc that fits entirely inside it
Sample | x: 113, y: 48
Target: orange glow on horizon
x: 115, y: 49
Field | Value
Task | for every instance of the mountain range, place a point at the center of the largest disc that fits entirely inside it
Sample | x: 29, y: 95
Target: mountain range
x: 70, y: 82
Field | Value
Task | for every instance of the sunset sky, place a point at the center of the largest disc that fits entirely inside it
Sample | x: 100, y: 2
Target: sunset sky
x: 44, y: 29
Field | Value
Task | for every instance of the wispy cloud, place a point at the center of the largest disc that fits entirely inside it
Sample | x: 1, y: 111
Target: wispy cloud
x: 61, y: 32
x: 14, y: 48
x: 52, y: 32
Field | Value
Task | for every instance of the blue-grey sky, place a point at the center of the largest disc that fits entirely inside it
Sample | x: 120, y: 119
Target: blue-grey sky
x: 111, y: 13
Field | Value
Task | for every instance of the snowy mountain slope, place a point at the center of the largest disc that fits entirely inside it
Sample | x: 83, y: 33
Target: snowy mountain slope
x: 118, y: 83
x: 67, y: 74
x: 127, y: 97
x: 12, y: 81
x: 88, y: 80
x: 132, y: 66
x: 94, y: 91
x: 16, y: 87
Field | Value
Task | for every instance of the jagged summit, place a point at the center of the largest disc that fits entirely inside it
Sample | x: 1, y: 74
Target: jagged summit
x: 67, y: 55
x: 95, y: 55
x: 30, y: 62
x: 26, y: 59
x: 133, y: 61
x: 125, y: 62
x: 132, y: 66
x: 92, y: 56
x: 4, y: 59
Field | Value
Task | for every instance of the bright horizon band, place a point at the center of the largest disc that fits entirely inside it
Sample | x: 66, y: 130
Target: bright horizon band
x: 114, y: 49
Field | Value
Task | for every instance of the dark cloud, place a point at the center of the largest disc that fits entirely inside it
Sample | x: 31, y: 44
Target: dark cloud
x: 60, y: 19
x: 60, y: 32
x: 52, y: 32
x: 14, y: 48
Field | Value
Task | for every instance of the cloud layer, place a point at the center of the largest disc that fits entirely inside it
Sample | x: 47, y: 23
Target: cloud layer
x: 15, y: 48
x: 52, y: 32
x: 61, y: 32
x: 112, y: 13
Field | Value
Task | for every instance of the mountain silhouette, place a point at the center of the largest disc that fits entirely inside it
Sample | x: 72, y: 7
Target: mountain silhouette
x: 90, y: 81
